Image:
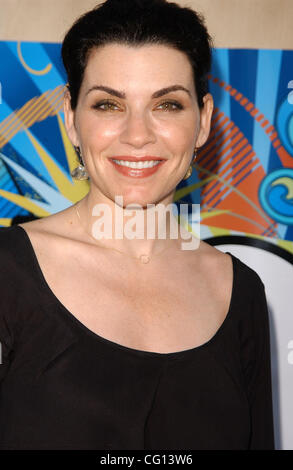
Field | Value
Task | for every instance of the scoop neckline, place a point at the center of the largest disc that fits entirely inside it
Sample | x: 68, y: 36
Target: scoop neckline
x: 117, y: 346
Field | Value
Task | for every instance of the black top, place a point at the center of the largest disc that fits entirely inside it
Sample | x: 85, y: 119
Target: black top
x: 62, y: 386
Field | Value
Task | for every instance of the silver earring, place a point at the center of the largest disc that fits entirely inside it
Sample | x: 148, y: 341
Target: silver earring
x: 79, y: 173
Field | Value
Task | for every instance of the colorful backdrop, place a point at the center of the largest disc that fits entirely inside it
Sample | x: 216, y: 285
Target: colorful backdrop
x: 242, y: 178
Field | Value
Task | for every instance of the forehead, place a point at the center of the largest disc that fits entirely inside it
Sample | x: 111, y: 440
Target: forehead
x: 146, y: 66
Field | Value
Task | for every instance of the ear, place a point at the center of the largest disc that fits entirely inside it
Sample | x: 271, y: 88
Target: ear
x: 69, y: 118
x: 205, y: 120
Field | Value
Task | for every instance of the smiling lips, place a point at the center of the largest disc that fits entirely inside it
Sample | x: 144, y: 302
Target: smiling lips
x: 137, y: 167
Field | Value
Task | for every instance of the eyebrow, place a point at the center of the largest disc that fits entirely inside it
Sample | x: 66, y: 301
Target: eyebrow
x: 122, y: 95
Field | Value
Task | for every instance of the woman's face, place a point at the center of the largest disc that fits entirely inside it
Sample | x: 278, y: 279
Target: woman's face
x: 137, y: 102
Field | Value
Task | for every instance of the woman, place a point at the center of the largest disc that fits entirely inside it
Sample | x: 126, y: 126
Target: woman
x: 120, y: 342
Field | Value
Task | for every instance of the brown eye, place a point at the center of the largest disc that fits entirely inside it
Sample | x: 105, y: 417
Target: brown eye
x: 170, y: 106
x: 106, y: 105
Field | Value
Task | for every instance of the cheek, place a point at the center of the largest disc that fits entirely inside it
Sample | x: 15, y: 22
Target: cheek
x: 179, y: 136
x: 99, y: 132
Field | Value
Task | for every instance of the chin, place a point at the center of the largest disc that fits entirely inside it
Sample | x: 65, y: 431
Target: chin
x: 134, y: 202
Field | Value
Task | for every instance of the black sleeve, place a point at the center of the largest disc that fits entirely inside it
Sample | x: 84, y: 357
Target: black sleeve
x: 258, y: 373
x: 5, y: 346
x: 8, y: 296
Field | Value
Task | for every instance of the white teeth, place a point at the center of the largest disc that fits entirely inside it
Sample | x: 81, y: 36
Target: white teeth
x: 146, y: 164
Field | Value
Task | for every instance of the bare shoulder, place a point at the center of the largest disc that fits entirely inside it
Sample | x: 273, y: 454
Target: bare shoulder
x: 213, y: 258
x: 217, y: 267
x: 55, y: 235
x: 59, y: 225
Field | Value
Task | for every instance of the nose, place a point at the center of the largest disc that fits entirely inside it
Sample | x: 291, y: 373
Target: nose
x: 137, y: 131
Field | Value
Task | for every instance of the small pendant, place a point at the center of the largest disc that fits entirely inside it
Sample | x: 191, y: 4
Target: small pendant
x: 144, y: 259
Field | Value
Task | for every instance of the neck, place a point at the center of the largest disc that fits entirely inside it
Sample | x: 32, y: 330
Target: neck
x: 135, y: 231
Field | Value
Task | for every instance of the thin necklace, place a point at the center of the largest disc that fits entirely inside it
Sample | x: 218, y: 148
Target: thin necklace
x: 142, y: 258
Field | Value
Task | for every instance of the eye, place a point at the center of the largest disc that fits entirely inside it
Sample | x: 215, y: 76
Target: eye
x: 106, y: 105
x: 170, y: 106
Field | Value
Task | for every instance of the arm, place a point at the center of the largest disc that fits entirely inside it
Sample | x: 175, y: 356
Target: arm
x: 5, y: 347
x: 258, y: 374
x: 8, y: 296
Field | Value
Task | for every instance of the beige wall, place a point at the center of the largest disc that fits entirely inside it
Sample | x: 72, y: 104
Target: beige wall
x: 232, y: 23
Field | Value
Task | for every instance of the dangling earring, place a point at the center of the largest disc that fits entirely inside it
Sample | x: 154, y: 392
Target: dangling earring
x: 79, y: 173
x: 189, y: 171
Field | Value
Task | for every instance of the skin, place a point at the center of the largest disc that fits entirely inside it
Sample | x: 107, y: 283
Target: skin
x: 170, y: 126
x: 179, y: 299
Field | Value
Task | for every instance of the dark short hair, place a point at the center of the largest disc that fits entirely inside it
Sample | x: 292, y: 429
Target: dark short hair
x: 135, y: 23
